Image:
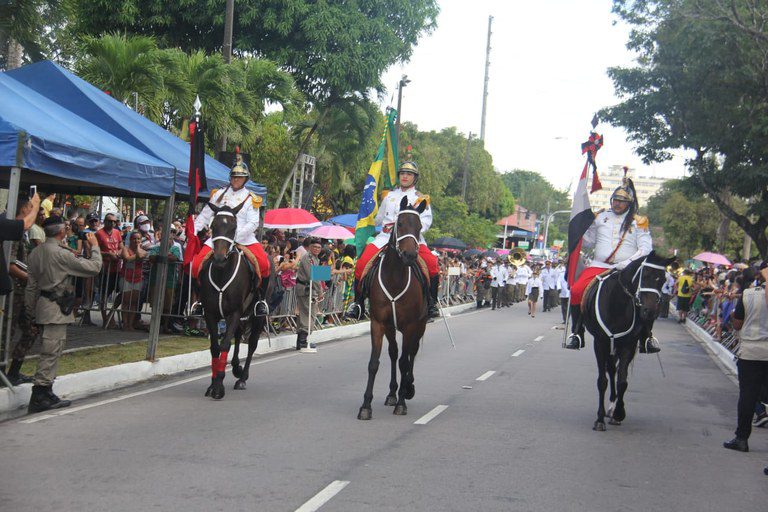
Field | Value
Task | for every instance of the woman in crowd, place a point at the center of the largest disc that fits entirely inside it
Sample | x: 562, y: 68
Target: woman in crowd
x: 132, y: 279
x: 532, y: 290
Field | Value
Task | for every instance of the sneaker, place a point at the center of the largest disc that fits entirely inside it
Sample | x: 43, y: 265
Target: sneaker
x: 761, y: 420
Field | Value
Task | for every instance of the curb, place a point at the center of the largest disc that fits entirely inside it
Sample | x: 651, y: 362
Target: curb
x: 721, y: 354
x: 84, y: 384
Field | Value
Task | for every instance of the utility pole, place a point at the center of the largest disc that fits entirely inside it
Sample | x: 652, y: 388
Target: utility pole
x: 403, y: 82
x: 466, y: 170
x: 485, y: 81
x: 229, y: 20
x: 226, y: 51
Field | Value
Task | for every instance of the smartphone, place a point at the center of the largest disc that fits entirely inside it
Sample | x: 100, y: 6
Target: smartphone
x: 32, y: 191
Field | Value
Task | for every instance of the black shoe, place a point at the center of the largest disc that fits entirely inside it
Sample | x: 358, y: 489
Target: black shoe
x: 261, y: 308
x: 19, y: 379
x: 574, y: 343
x: 433, y: 311
x: 740, y: 445
x: 196, y: 309
x: 652, y: 346
x: 301, y: 340
x: 765, y: 470
x: 43, y: 399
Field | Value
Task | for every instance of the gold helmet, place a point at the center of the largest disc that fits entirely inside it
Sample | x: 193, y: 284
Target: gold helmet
x: 409, y: 166
x: 626, y: 191
x: 240, y: 169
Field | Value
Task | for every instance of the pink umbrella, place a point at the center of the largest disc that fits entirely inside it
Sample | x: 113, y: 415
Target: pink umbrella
x: 331, y: 232
x: 712, y: 257
x: 290, y: 218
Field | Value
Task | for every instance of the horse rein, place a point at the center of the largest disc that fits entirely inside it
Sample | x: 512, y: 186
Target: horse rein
x: 397, y: 239
x: 232, y: 248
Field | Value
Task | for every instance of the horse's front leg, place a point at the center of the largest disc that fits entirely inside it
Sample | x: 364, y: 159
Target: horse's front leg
x: 233, y: 322
x: 377, y: 335
x: 213, y: 335
x: 602, y: 353
x: 626, y: 356
x: 257, y: 325
x: 392, y: 341
x: 611, y: 367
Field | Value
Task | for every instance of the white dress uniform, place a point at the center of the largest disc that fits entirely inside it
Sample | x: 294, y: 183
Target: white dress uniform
x: 605, y: 234
x: 247, y: 217
x: 387, y: 214
x: 523, y: 273
x: 497, y: 276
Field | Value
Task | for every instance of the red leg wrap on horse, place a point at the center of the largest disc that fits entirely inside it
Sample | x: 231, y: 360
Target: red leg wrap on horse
x: 222, y: 362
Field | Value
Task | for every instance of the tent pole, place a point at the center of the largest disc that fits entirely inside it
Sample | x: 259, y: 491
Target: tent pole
x: 160, y: 276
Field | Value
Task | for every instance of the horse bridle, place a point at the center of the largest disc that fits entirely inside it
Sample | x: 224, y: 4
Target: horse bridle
x: 222, y: 237
x: 640, y: 289
x: 409, y: 235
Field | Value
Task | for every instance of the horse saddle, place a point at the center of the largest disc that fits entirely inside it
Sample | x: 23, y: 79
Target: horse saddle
x: 586, y: 296
x: 374, y: 262
x: 250, y: 258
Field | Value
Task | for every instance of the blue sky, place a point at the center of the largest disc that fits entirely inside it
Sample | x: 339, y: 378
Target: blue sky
x: 547, y: 78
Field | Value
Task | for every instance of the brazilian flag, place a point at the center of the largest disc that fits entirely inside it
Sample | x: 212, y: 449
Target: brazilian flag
x: 376, y: 181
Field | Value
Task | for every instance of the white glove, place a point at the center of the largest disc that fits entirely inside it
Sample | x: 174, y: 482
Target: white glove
x: 623, y: 264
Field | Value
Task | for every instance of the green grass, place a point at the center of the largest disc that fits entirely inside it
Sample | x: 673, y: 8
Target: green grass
x: 101, y: 357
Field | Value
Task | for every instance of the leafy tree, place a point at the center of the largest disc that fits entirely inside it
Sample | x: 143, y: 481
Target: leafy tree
x: 29, y: 27
x: 452, y: 218
x: 531, y: 190
x: 700, y: 85
x: 331, y: 48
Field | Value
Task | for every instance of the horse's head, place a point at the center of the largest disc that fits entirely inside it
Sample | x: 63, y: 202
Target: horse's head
x: 645, y: 277
x: 407, y: 229
x: 223, y: 231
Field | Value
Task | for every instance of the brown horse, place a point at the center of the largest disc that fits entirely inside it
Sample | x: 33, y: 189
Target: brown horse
x: 397, y: 303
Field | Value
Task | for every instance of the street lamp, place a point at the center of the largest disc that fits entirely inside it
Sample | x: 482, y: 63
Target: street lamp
x: 546, y: 226
x: 403, y: 82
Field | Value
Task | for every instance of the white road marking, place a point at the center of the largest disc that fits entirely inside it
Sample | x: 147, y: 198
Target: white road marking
x: 486, y: 375
x: 323, y: 497
x: 518, y: 353
x: 70, y: 410
x: 430, y: 415
x: 539, y: 338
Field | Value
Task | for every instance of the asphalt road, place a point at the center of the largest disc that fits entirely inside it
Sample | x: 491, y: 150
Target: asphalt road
x: 519, y: 439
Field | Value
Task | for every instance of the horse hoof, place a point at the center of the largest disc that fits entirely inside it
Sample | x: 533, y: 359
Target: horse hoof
x: 209, y: 390
x: 409, y: 392
x: 391, y: 400
x: 614, y: 422
x: 217, y: 391
x: 364, y: 414
x: 599, y: 426
x: 240, y: 384
x: 611, y: 409
x: 400, y: 410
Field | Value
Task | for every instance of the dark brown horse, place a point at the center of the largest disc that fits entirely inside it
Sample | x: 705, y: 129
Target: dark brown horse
x: 227, y: 293
x: 619, y: 311
x: 397, y: 303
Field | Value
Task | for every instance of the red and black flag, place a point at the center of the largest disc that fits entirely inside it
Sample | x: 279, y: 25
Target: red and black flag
x: 581, y: 211
x: 196, y: 183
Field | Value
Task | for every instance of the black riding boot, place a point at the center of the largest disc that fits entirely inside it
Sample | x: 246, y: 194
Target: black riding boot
x: 301, y: 340
x: 261, y: 308
x: 356, y: 309
x: 14, y: 373
x: 432, y: 310
x: 576, y: 340
x: 44, y: 399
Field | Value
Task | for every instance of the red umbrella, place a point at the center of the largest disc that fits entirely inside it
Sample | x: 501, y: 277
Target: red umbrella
x: 290, y: 218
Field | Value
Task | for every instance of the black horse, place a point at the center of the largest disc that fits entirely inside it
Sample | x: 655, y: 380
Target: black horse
x: 619, y: 310
x: 398, y: 303
x: 227, y: 293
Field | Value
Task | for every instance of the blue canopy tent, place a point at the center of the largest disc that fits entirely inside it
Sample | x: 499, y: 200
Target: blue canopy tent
x: 58, y: 148
x: 348, y: 220
x: 98, y: 108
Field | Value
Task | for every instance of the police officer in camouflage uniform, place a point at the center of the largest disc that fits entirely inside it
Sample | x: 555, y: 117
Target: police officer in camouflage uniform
x: 49, y: 301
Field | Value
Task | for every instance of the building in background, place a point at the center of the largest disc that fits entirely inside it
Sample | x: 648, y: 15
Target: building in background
x: 521, y: 229
x: 645, y: 185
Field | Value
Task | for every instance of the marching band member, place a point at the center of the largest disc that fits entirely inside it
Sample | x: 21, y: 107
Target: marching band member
x: 233, y: 196
x: 408, y: 175
x: 619, y: 237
